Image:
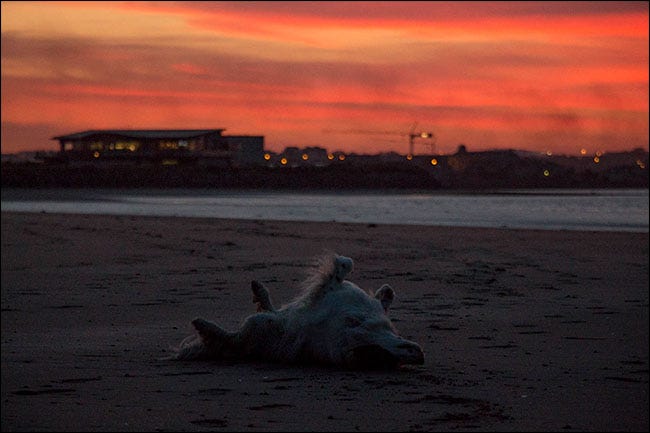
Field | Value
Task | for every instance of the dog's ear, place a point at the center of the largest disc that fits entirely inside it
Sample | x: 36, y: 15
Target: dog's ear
x: 385, y: 294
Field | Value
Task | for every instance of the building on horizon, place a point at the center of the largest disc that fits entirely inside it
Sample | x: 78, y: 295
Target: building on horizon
x: 206, y: 146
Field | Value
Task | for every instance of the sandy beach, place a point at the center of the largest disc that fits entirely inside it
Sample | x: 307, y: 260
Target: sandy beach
x: 522, y: 330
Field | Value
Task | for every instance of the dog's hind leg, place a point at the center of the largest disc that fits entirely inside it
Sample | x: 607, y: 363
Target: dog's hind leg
x: 217, y: 342
x: 211, y: 333
x: 262, y: 297
x: 212, y: 343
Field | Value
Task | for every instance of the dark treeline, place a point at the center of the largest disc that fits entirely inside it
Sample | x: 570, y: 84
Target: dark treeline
x: 523, y: 174
x: 197, y: 176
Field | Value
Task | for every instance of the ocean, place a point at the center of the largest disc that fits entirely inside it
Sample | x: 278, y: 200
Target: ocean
x: 590, y: 210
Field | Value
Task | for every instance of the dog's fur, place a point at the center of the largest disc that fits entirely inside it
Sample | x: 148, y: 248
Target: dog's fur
x: 332, y: 321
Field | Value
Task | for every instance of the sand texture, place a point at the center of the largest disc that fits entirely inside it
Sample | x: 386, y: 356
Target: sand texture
x: 522, y: 330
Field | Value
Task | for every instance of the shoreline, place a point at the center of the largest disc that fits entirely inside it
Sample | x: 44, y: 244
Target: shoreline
x: 572, y: 210
x: 522, y: 329
x: 70, y: 190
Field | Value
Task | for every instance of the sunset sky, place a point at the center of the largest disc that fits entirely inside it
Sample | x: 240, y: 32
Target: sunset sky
x: 349, y: 76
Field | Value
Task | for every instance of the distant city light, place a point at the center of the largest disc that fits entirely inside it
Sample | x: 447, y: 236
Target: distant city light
x: 96, y: 154
x: 596, y: 159
x: 583, y: 151
x: 283, y: 161
x: 434, y: 161
x: 267, y: 156
x: 330, y: 156
x: 599, y: 153
x: 341, y: 157
x: 305, y: 157
x: 547, y: 173
x: 409, y: 157
x: 549, y: 153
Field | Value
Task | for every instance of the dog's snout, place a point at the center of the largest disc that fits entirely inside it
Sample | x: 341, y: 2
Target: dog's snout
x: 413, y: 352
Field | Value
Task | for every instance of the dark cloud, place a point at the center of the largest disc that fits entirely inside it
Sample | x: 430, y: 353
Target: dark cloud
x: 414, y: 10
x: 29, y: 136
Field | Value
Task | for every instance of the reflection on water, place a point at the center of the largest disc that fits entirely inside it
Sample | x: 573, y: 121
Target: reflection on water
x: 615, y: 210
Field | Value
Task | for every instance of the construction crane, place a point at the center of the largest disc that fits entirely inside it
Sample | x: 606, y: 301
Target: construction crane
x: 412, y: 136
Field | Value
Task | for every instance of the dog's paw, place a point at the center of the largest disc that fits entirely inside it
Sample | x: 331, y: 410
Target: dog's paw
x: 200, y: 324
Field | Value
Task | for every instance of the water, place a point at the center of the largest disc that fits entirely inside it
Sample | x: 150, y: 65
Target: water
x: 599, y: 210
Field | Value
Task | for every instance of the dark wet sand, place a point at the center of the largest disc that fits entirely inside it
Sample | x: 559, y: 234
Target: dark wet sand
x: 523, y: 330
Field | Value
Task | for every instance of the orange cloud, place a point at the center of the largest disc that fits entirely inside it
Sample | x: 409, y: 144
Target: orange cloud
x: 505, y: 74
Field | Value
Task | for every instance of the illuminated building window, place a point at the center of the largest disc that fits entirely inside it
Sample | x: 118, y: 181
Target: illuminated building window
x: 96, y: 145
x: 168, y: 145
x: 131, y: 146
